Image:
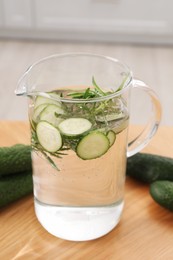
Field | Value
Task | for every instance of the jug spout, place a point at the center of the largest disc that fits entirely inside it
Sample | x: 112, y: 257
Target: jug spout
x: 21, y: 89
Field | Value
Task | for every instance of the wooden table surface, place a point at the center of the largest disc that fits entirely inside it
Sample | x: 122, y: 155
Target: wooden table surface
x: 144, y: 232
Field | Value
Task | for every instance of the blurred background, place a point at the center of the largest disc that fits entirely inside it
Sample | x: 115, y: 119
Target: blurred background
x: 139, y: 33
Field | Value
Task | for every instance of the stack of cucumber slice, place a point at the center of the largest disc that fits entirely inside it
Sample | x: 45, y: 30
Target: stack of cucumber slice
x: 55, y: 129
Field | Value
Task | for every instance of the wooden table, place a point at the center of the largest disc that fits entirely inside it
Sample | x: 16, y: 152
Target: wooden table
x: 144, y: 232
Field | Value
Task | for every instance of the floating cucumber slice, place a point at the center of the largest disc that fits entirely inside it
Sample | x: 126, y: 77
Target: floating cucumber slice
x: 74, y: 126
x: 109, y: 117
x: 37, y: 111
x: 44, y: 100
x: 48, y: 136
x: 119, y: 126
x: 93, y: 145
x: 49, y: 114
x: 111, y: 136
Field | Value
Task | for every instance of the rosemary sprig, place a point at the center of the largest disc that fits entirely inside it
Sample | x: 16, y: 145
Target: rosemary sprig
x: 98, y: 90
x: 123, y: 82
x: 89, y: 93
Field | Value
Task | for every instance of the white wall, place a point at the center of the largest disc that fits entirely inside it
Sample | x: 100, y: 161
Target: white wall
x: 106, y: 20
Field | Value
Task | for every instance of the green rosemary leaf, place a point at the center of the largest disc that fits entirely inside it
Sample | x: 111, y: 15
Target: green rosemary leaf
x: 99, y: 90
x: 76, y: 94
x: 86, y: 93
x: 122, y: 83
x: 50, y: 160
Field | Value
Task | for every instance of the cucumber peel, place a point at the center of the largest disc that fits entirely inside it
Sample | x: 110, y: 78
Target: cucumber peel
x: 162, y: 193
x: 149, y: 167
x: 15, y: 159
x: 158, y: 172
x: 112, y: 137
x: 92, y: 146
x: 14, y: 187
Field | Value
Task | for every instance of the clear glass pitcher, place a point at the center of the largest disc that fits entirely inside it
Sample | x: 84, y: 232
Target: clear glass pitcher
x: 79, y: 117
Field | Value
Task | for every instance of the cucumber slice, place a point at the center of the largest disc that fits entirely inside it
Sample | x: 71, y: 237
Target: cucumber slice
x: 110, y: 117
x: 49, y: 114
x: 44, y: 100
x: 37, y: 111
x: 92, y: 146
x: 74, y: 126
x: 112, y: 137
x: 119, y: 126
x: 48, y: 136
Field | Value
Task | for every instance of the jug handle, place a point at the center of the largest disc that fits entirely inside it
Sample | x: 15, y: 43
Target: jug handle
x: 138, y: 143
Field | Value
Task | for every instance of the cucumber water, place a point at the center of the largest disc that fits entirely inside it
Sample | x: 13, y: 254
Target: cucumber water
x: 71, y: 137
x: 79, y: 156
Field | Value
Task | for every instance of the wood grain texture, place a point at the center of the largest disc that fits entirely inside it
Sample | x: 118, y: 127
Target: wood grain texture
x: 144, y: 232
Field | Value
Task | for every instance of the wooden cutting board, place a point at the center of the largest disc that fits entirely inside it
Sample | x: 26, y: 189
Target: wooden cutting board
x: 145, y: 231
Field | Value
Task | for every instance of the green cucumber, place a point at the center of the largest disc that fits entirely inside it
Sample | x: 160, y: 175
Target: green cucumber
x: 111, y: 136
x: 149, y: 168
x: 74, y: 126
x: 15, y: 187
x: 15, y: 159
x: 162, y: 193
x: 92, y: 146
x: 49, y: 114
x: 48, y: 136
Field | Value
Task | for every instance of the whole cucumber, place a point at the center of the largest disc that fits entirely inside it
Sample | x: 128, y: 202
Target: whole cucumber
x: 15, y: 159
x: 14, y: 187
x: 162, y: 193
x: 149, y: 168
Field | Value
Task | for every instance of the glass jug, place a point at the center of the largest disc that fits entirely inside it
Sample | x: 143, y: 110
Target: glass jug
x: 79, y: 117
